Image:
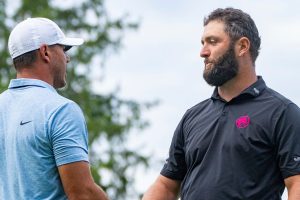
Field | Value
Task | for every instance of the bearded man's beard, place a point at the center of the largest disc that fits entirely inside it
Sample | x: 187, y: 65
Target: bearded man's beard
x: 223, y: 69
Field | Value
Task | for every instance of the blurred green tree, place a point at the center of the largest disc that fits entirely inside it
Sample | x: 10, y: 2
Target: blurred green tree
x: 109, y: 117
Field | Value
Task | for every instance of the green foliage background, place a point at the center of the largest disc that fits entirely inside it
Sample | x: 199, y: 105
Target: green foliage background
x: 109, y: 118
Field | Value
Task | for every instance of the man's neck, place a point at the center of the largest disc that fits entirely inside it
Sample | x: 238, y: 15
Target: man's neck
x: 40, y: 73
x: 235, y: 86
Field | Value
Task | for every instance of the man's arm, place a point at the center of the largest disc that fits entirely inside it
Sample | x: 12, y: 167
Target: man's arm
x: 78, y: 182
x: 293, y: 186
x: 163, y: 189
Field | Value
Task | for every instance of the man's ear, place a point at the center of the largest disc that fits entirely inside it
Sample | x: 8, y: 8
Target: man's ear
x: 243, y: 46
x: 44, y: 53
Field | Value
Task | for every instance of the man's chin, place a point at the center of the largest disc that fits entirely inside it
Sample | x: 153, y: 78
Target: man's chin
x: 214, y: 81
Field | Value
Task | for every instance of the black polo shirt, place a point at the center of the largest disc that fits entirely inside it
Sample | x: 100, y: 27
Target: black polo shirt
x: 237, y: 150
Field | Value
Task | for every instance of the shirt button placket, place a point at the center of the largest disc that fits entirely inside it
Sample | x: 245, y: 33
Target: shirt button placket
x: 224, y: 112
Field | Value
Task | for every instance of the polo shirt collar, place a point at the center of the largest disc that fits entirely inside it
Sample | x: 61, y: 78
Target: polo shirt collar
x: 253, y: 90
x: 24, y: 82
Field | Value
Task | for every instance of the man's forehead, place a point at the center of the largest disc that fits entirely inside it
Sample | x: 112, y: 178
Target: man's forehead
x: 214, y: 29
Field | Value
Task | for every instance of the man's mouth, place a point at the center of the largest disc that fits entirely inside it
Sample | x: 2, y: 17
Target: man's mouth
x: 208, y: 65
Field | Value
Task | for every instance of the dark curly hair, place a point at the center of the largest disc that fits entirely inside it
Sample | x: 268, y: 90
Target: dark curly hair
x: 237, y: 24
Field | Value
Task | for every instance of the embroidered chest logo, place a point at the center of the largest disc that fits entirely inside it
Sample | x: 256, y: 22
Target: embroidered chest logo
x: 243, y: 121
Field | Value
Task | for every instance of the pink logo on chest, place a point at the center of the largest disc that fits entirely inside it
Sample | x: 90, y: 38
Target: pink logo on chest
x: 243, y: 121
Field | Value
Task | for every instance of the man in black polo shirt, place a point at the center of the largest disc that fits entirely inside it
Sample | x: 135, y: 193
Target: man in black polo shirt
x: 243, y: 143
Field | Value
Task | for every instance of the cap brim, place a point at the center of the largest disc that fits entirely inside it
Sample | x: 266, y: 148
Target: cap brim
x: 71, y: 41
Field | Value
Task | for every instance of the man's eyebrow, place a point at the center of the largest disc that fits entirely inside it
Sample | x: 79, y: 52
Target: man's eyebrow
x: 208, y: 38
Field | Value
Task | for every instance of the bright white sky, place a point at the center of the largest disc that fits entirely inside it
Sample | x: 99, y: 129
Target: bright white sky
x: 161, y: 61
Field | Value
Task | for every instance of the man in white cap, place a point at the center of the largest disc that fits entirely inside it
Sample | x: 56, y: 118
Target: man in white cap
x: 43, y: 136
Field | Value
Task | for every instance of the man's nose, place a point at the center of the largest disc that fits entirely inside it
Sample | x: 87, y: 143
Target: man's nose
x: 204, y: 53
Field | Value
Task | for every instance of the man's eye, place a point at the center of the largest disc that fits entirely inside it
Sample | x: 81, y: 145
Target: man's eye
x: 213, y: 41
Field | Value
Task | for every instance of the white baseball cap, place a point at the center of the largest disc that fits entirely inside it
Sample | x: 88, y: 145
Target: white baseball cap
x: 31, y: 33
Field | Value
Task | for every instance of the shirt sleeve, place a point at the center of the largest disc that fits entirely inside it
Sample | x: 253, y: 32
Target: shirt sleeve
x: 68, y: 133
x: 288, y: 141
x: 175, y: 165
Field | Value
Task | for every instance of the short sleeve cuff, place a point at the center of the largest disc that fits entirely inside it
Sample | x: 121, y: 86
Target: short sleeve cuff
x: 172, y: 175
x: 71, y: 159
x: 287, y: 173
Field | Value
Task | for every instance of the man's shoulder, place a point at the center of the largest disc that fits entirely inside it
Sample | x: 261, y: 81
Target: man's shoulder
x: 47, y: 97
x: 47, y: 101
x: 3, y: 94
x: 277, y: 97
x: 199, y: 107
x: 201, y: 104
